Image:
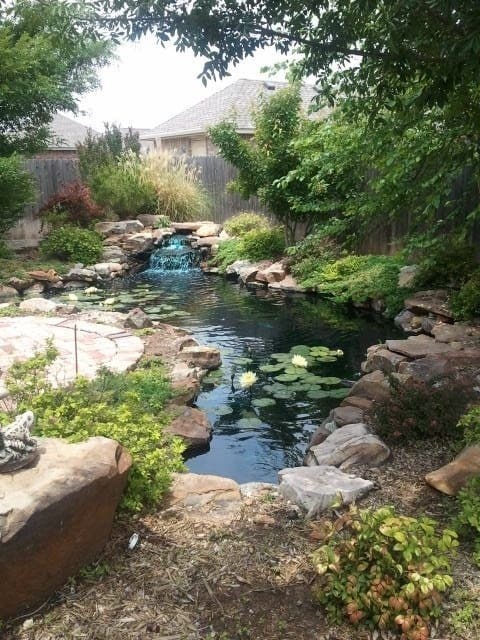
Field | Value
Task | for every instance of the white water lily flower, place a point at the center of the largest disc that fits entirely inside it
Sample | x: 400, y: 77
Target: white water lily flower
x: 299, y: 361
x: 72, y: 297
x: 248, y: 379
x: 109, y: 301
x: 89, y: 290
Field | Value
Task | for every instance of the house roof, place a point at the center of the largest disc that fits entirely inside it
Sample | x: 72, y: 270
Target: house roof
x: 234, y: 102
x: 66, y: 133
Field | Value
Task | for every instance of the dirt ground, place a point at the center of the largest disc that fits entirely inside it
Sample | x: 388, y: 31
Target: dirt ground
x: 250, y: 580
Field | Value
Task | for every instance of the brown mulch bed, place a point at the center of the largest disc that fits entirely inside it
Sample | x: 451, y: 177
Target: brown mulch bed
x: 250, y: 580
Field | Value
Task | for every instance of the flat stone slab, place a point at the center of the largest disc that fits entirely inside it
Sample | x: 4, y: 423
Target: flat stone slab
x: 97, y: 345
x: 418, y: 347
x: 432, y: 301
x: 318, y: 488
x: 454, y: 476
x: 193, y: 427
x: 56, y: 516
x: 349, y: 446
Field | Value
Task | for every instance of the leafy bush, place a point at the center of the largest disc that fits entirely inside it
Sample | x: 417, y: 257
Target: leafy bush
x: 355, y: 279
x: 384, y: 570
x: 97, y: 151
x: 129, y: 408
x: 228, y: 252
x: 311, y: 253
x: 468, y: 518
x: 415, y: 409
x: 72, y: 205
x: 244, y: 222
x: 5, y: 252
x: 469, y: 426
x: 465, y: 303
x: 121, y: 187
x: 16, y: 191
x: 446, y: 264
x: 263, y: 244
x: 73, y: 245
x: 163, y: 222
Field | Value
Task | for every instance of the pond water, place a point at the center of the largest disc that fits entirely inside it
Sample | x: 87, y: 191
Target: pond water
x: 256, y: 432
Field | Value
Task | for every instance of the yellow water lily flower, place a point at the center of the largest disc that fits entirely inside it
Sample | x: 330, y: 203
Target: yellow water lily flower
x: 248, y: 379
x: 299, y: 361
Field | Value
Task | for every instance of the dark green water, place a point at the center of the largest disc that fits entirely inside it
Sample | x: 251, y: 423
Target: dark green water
x: 253, y: 324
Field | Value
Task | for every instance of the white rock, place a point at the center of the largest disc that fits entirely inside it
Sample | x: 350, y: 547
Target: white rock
x: 39, y: 305
x: 318, y: 488
x: 208, y: 229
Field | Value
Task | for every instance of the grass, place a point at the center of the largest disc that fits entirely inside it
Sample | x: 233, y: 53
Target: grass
x: 19, y: 266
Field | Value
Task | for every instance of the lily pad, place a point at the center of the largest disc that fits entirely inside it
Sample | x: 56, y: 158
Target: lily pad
x: 330, y: 381
x: 242, y: 361
x: 342, y: 392
x: 326, y: 359
x: 287, y: 377
x: 272, y: 368
x: 249, y: 423
x: 263, y: 402
x: 281, y: 356
x: 284, y: 395
x: 223, y: 410
x: 300, y: 349
x: 318, y: 394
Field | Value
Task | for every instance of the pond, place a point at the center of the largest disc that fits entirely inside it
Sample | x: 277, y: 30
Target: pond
x: 256, y: 432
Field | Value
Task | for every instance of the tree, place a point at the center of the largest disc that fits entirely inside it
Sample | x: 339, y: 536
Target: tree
x: 386, y: 53
x: 49, y: 53
x: 16, y: 191
x: 265, y: 160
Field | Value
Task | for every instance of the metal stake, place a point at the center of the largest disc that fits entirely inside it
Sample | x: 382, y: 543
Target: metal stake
x: 76, y: 348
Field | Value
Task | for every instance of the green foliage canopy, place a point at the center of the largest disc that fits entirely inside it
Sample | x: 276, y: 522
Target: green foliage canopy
x: 16, y: 191
x: 49, y: 54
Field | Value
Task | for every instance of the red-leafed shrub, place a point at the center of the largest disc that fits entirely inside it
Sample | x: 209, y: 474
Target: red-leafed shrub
x: 72, y: 205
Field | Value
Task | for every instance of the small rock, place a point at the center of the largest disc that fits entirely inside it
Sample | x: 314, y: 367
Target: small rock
x: 20, y: 284
x: 193, y: 427
x: 406, y: 276
x: 432, y: 301
x: 264, y: 519
x: 408, y: 321
x: 351, y: 445
x: 317, y: 488
x: 45, y: 276
x: 257, y: 489
x: 287, y: 284
x: 382, y: 360
x: 201, y: 356
x: 208, y: 229
x: 373, y: 386
x: 356, y: 401
x: 347, y: 415
x: 137, y: 319
x: 35, y: 290
x: 274, y: 273
x: 454, y: 476
x: 149, y: 219
x: 418, y: 347
x: 187, y: 227
x: 234, y: 268
x: 7, y: 293
x: 118, y: 228
x: 81, y: 275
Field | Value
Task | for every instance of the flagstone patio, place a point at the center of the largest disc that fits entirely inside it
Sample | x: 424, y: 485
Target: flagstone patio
x: 97, y: 345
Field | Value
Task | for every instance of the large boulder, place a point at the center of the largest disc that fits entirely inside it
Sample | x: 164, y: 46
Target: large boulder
x: 288, y: 284
x: 193, y: 427
x: 382, y: 360
x: 137, y: 319
x: 433, y: 301
x: 234, y: 268
x: 274, y: 273
x: 114, y: 253
x: 201, y: 356
x: 187, y: 227
x: 409, y: 322
x: 406, y: 276
x: 149, y: 219
x: 347, y: 415
x: 418, y: 347
x: 349, y: 446
x: 118, y: 228
x: 56, y: 516
x: 80, y: 274
x: 455, y: 475
x: 208, y: 229
x: 318, y: 488
x: 39, y: 305
x: 373, y: 386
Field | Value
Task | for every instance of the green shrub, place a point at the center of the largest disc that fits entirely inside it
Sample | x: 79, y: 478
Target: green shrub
x: 446, y: 264
x: 163, y: 222
x: 244, y: 222
x: 120, y: 187
x: 384, y: 570
x: 16, y: 191
x: 469, y: 426
x: 263, y: 244
x: 313, y: 252
x: 129, y: 408
x: 415, y: 409
x: 465, y: 303
x: 468, y: 518
x: 73, y: 244
x: 5, y: 252
x: 228, y: 252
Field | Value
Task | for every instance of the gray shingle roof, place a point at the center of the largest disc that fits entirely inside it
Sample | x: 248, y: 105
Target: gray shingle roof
x: 235, y: 102
x: 66, y: 133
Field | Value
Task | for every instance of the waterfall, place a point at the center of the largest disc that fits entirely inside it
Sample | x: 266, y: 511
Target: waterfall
x: 175, y: 254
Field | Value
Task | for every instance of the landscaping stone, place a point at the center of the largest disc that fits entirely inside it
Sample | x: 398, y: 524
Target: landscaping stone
x: 39, y: 305
x: 187, y: 227
x: 149, y: 219
x: 193, y: 427
x: 455, y: 475
x: 234, y: 268
x: 205, y: 497
x: 209, y: 241
x: 201, y: 356
x: 105, y: 269
x: 82, y: 275
x: 21, y: 284
x: 7, y: 293
x: 373, y: 386
x: 114, y: 254
x: 45, y: 276
x: 408, y: 321
x: 208, y: 229
x: 56, y: 517
x: 137, y: 319
x: 247, y: 273
x: 139, y: 242
x: 351, y: 445
x: 356, y: 401
x: 463, y: 332
x: 318, y: 488
x: 287, y: 284
x: 382, y: 360
x: 274, y: 273
x: 118, y: 228
x: 406, y: 276
x: 347, y: 415
x: 322, y: 432
x: 432, y: 301
x: 418, y: 347
x: 36, y: 290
